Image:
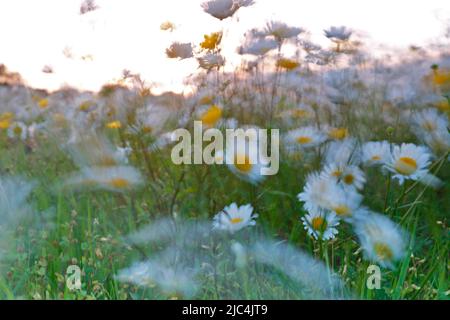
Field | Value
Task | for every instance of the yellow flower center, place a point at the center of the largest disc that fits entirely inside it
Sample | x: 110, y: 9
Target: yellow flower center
x: 43, y: 103
x: 211, y: 116
x: 429, y: 126
x: 147, y: 129
x: 349, y: 179
x: 287, y: 64
x: 319, y: 223
x: 114, y: 125
x: 376, y: 158
x: 342, y: 210
x: 4, y: 124
x: 236, y: 220
x: 304, y: 140
x: 338, y: 133
x: 406, y: 166
x: 17, y: 130
x: 383, y: 251
x: 242, y: 163
x: 119, y: 183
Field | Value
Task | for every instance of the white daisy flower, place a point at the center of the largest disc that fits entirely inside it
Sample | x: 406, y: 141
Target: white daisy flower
x: 211, y: 60
x: 306, y: 137
x: 246, y: 162
x: 180, y: 50
x: 409, y: 161
x: 18, y: 130
x: 258, y: 46
x: 342, y: 152
x: 376, y: 152
x: 430, y: 120
x: 222, y: 9
x: 382, y: 240
x: 233, y: 218
x: 438, y: 141
x: 116, y: 179
x: 281, y: 30
x: 338, y: 33
x: 321, y: 224
x: 315, y: 192
x: 345, y: 203
x: 349, y: 176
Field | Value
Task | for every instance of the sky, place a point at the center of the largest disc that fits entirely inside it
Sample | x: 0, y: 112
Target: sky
x: 125, y: 34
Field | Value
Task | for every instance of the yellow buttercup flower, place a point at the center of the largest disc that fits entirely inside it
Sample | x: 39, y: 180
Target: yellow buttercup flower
x: 4, y: 124
x: 211, y: 41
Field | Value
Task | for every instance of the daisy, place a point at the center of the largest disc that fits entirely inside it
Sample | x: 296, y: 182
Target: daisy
x: 338, y: 34
x: 222, y: 9
x: 349, y: 176
x: 306, y: 137
x: 321, y: 224
x: 258, y: 46
x: 382, y: 240
x: 342, y: 152
x: 430, y: 120
x: 211, y: 60
x: 18, y: 130
x: 116, y: 179
x: 408, y: 161
x: 180, y: 50
x: 245, y: 161
x: 345, y: 203
x: 315, y: 192
x: 209, y: 115
x: 281, y: 30
x: 376, y: 152
x: 233, y: 218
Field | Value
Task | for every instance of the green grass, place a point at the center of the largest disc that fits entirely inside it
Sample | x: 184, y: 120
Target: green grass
x: 87, y: 229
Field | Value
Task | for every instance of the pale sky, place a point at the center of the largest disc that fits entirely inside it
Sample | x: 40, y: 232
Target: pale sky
x: 126, y: 34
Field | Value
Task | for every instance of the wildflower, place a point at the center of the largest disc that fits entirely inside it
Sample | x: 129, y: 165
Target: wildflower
x: 18, y: 130
x: 342, y: 152
x: 430, y: 120
x: 306, y: 137
x: 321, y: 224
x: 14, y: 191
x: 113, y: 178
x: 338, y: 33
x: 173, y: 281
x: 338, y: 133
x: 376, y: 153
x: 246, y: 161
x: 349, y: 176
x: 211, y: 116
x: 287, y: 64
x: 233, y: 218
x: 211, y: 41
x: 88, y: 6
x: 345, y: 203
x: 258, y: 46
x: 281, y: 30
x: 180, y: 50
x: 211, y: 60
x: 222, y: 9
x: 114, y: 125
x: 43, y: 103
x: 167, y: 26
x: 408, y: 161
x: 381, y: 239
